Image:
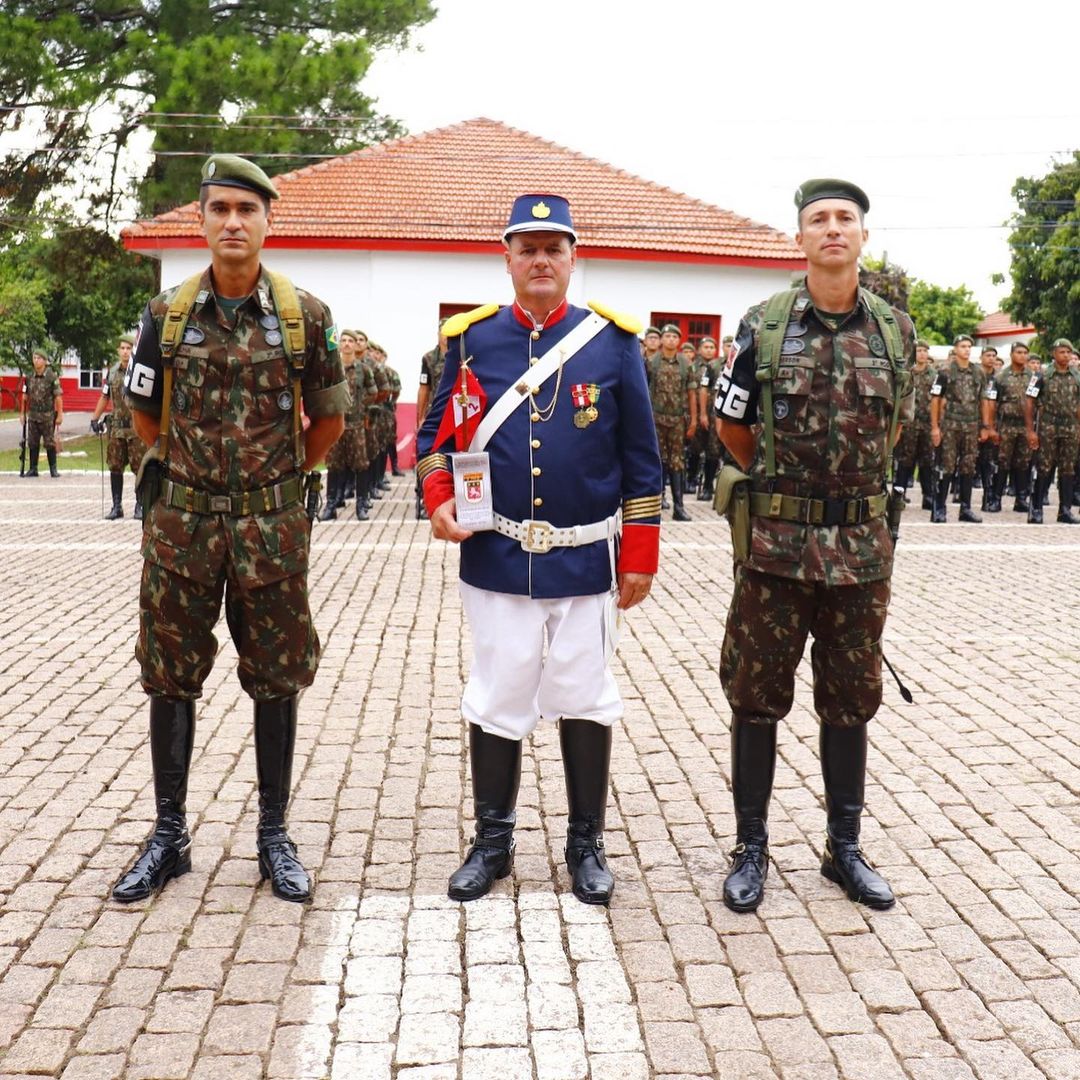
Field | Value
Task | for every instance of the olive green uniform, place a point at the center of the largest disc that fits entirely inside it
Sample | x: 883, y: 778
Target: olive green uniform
x: 41, y: 392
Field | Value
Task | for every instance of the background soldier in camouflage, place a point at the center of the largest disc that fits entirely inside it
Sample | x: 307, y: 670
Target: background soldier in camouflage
x: 1055, y: 395
x: 230, y: 522
x: 380, y: 419
x: 349, y: 454
x: 915, y: 447
x: 1006, y: 395
x: 650, y: 343
x: 125, y: 447
x: 819, y: 555
x: 366, y: 364
x: 695, y: 432
x: 708, y: 384
x: 673, y: 391
x: 431, y: 369
x: 42, y: 410
x: 391, y: 411
x: 957, y: 402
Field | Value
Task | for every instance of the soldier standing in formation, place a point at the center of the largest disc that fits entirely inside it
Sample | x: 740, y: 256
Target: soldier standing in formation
x: 221, y: 368
x: 348, y: 456
x: 709, y: 382
x: 1052, y: 420
x: 125, y: 446
x: 431, y: 369
x: 1006, y: 396
x: 391, y: 419
x: 810, y: 400
x: 673, y: 391
x: 957, y: 404
x: 650, y: 344
x: 42, y: 411
x: 915, y: 448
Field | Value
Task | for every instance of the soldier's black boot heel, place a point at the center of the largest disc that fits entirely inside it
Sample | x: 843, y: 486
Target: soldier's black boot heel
x: 167, y: 853
x: 753, y: 766
x: 1065, y: 514
x: 586, y: 754
x: 361, y: 510
x: 966, y: 513
x: 843, y: 769
x: 939, y: 514
x: 1035, y: 505
x: 496, y: 776
x: 678, y: 512
x: 709, y: 487
x: 275, y: 742
x: 329, y: 510
x: 116, y: 487
x: 51, y: 455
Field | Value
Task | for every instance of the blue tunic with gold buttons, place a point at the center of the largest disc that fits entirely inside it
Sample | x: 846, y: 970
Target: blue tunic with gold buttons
x: 546, y: 467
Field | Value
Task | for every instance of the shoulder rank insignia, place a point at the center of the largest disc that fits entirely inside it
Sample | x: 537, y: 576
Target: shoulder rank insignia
x: 458, y: 324
x: 623, y: 322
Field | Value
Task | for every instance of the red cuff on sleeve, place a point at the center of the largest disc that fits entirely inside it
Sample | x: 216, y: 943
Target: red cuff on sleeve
x: 438, y: 487
x: 639, y: 552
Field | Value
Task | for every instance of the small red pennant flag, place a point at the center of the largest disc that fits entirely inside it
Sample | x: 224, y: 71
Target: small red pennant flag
x: 464, y: 411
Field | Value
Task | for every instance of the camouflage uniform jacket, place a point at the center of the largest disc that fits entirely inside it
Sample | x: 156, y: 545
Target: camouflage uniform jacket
x: 354, y: 377
x: 962, y: 390
x: 923, y: 381
x: 1057, y: 396
x: 833, y: 398
x: 41, y: 391
x: 395, y: 389
x: 431, y: 368
x: 669, y: 383
x: 112, y: 389
x: 710, y: 382
x: 1007, y: 390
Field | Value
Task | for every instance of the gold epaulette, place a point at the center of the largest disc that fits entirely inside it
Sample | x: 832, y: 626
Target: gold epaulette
x: 459, y: 323
x: 623, y: 322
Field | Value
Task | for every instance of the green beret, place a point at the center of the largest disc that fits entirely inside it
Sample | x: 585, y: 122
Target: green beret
x: 1019, y: 345
x: 707, y: 338
x: 990, y: 348
x: 963, y: 337
x: 920, y: 344
x: 651, y: 330
x: 39, y: 351
x: 729, y: 339
x: 352, y: 333
x: 1063, y: 342
x: 828, y: 188
x: 687, y: 345
x: 129, y: 338
x: 230, y: 170
x: 670, y: 328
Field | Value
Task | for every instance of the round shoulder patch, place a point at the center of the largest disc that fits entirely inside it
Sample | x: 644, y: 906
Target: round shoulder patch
x: 792, y: 346
x: 877, y: 344
x: 780, y: 408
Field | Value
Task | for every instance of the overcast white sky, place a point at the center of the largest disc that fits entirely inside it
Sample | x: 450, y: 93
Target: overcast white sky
x: 934, y: 108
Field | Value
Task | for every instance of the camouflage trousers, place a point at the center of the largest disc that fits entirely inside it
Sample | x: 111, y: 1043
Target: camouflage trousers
x: 959, y: 447
x: 768, y: 623
x: 1013, y: 450
x: 125, y: 448
x: 1057, y: 446
x: 915, y: 447
x: 714, y: 449
x: 350, y: 451
x: 671, y: 435
x: 371, y: 437
x: 41, y: 429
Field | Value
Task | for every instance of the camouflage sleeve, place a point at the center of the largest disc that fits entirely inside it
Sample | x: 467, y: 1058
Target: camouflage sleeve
x: 58, y: 390
x: 737, y: 397
x: 324, y: 386
x: 907, y: 401
x: 143, y: 378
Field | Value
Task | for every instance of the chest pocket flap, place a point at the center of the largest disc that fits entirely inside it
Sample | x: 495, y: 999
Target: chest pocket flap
x: 874, y: 376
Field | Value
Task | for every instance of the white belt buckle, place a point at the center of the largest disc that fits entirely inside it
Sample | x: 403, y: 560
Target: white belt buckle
x: 539, y: 537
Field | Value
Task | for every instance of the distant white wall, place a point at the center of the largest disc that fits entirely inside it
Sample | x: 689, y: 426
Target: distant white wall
x: 394, y: 297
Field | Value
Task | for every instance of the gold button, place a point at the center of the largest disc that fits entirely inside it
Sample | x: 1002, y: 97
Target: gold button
x: 535, y: 418
x: 535, y: 335
x: 536, y: 444
x: 534, y: 390
x: 538, y: 502
x: 536, y: 470
x: 533, y: 360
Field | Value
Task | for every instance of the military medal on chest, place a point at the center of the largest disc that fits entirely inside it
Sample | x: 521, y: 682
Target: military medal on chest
x: 584, y: 396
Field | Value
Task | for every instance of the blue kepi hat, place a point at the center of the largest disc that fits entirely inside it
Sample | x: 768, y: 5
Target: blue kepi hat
x: 540, y: 213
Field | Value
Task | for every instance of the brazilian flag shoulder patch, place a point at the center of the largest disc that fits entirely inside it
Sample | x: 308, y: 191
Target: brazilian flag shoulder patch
x: 331, y: 338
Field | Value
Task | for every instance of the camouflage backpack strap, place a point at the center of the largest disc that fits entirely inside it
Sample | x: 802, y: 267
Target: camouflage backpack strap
x: 172, y: 333
x: 769, y: 344
x: 291, y: 317
x: 894, y: 349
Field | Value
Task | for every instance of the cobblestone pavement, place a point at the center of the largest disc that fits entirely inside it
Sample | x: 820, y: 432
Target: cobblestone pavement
x: 973, y: 815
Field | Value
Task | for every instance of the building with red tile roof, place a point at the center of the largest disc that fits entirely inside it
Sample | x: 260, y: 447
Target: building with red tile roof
x: 1002, y: 325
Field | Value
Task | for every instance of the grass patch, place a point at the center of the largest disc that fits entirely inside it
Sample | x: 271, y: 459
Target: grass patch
x: 9, y: 459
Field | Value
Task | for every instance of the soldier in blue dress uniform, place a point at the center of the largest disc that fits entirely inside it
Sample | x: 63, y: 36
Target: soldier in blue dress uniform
x: 575, y: 483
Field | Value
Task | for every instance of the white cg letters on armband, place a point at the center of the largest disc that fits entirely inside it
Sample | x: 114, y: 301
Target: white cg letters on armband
x: 140, y: 380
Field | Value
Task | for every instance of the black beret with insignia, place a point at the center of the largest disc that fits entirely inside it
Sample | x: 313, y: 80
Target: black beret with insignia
x: 828, y: 188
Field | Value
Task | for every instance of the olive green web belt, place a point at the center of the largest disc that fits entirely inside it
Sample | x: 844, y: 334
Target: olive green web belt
x: 817, y: 511
x: 235, y: 503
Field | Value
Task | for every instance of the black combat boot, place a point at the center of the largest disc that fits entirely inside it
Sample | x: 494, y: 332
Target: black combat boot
x: 843, y: 768
x: 678, y: 512
x: 383, y: 481
x: 708, y: 489
x: 926, y: 482
x: 496, y: 776
x: 348, y: 487
x: 901, y: 476
x: 361, y: 510
x: 394, y: 470
x: 329, y: 510
x: 167, y: 853
x: 966, y: 513
x: 939, y: 513
x: 753, y: 765
x: 1065, y: 514
x: 664, y: 478
x: 374, y: 491
x: 997, y: 489
x: 275, y: 741
x: 116, y: 486
x: 1035, y: 509
x: 586, y: 755
x: 51, y: 455
x: 1021, y: 488
x: 138, y: 514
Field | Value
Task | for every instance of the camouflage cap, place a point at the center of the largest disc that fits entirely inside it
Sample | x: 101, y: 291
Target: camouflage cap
x: 651, y: 330
x: 1063, y: 343
x: 670, y: 328
x: 963, y: 337
x: 230, y: 170
x: 830, y: 188
x: 922, y: 344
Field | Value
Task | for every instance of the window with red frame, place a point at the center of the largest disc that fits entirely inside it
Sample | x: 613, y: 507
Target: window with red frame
x: 692, y: 328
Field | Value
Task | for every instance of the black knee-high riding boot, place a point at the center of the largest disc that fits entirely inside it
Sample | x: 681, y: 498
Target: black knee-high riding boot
x: 586, y: 754
x: 753, y: 766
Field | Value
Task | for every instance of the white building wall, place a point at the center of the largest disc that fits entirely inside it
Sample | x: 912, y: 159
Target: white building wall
x: 394, y: 296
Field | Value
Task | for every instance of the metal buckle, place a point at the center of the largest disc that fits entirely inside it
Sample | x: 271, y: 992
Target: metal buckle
x: 834, y: 512
x: 538, y: 537
x: 220, y: 504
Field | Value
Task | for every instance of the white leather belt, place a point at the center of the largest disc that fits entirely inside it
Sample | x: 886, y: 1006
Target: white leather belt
x: 537, y: 537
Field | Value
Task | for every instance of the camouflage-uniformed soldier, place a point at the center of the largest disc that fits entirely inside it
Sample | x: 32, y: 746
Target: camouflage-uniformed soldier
x: 219, y: 408
x: 915, y: 447
x: 349, y: 453
x: 125, y: 447
x: 380, y: 418
x: 818, y: 558
x: 431, y: 369
x: 42, y: 411
x: 1054, y: 394
x: 365, y: 360
x: 673, y: 391
x: 957, y: 403
x: 650, y: 343
x: 1006, y: 396
x: 695, y: 435
x: 708, y: 383
x: 391, y: 423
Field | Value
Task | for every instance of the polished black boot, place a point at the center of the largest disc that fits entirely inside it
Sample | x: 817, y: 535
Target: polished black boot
x: 383, y: 482
x: 753, y: 765
x: 167, y: 853
x: 997, y: 489
x: 51, y: 455
x: 1065, y: 491
x: 348, y: 487
x: 116, y: 486
x: 496, y: 776
x: 138, y: 514
x: 1035, y: 509
x: 586, y: 754
x: 678, y: 511
x: 966, y: 513
x: 939, y: 514
x: 374, y: 491
x: 1021, y: 487
x: 361, y: 510
x: 275, y: 741
x: 709, y: 487
x: 329, y: 510
x: 843, y: 768
x: 926, y: 483
x: 33, y: 470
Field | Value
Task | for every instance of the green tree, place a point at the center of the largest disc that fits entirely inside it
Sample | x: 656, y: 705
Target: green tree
x: 22, y: 320
x: 886, y: 279
x: 1045, y: 244
x: 940, y: 313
